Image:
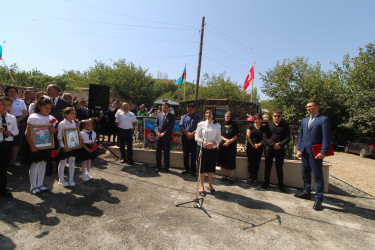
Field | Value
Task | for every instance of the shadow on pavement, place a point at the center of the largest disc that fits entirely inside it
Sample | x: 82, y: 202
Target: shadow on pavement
x: 80, y: 201
x: 247, y: 202
x: 6, y: 243
x: 344, y: 206
x: 18, y: 211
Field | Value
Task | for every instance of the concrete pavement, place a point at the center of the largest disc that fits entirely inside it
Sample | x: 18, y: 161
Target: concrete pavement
x: 133, y: 207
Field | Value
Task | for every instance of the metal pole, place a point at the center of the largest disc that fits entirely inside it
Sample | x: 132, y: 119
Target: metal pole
x: 13, y: 81
x: 252, y: 84
x: 199, y: 60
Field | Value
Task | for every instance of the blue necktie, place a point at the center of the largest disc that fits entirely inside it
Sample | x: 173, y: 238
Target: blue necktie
x: 90, y: 135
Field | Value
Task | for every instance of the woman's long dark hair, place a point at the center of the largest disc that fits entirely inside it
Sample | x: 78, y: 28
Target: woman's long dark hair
x: 213, y: 115
x: 40, y: 103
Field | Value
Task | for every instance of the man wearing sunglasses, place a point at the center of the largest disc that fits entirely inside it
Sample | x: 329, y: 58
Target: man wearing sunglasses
x: 276, y: 136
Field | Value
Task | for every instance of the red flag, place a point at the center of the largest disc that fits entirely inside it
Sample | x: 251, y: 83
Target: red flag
x: 249, y: 78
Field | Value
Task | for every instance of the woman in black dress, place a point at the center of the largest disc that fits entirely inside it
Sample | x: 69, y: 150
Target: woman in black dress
x: 254, y: 137
x: 228, y: 147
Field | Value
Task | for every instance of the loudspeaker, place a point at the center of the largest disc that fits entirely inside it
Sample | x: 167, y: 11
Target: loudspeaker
x: 98, y: 97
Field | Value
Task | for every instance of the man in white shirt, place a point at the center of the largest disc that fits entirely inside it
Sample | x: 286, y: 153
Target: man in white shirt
x: 8, y: 130
x: 126, y: 122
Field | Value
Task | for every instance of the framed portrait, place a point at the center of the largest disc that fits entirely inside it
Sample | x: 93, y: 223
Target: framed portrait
x: 72, y: 138
x: 42, y: 136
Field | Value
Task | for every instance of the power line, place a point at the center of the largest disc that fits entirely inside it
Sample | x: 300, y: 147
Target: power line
x: 121, y: 14
x: 98, y: 22
x: 227, y: 37
x: 101, y: 35
x: 210, y: 46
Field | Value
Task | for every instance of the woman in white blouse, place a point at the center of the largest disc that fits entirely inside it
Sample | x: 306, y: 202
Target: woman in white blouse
x: 208, y: 135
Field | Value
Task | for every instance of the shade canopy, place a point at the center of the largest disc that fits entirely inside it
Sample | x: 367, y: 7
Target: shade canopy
x: 161, y: 101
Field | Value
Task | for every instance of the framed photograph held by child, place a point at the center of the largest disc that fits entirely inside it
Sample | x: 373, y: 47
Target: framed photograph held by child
x: 72, y: 138
x: 42, y: 136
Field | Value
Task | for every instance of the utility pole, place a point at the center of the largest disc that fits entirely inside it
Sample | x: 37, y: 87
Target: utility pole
x: 199, y: 60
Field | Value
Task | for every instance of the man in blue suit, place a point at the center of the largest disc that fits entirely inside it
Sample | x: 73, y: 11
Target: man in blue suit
x: 163, y: 128
x: 315, y: 129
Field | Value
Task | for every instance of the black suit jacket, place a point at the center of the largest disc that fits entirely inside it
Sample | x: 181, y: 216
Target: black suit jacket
x: 165, y: 125
x: 57, y: 110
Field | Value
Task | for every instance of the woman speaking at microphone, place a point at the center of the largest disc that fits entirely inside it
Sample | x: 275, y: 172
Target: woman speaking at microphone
x: 208, y: 137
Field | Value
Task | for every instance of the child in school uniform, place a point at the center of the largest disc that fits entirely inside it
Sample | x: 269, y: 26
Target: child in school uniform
x: 89, y: 146
x: 38, y: 157
x: 66, y: 154
x: 8, y: 129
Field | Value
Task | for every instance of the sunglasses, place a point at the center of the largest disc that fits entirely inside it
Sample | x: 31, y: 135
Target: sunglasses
x: 277, y: 116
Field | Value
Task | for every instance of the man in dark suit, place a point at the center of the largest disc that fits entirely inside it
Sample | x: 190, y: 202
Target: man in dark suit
x: 53, y: 93
x: 163, y: 128
x: 58, y: 104
x: 315, y: 129
x: 276, y: 136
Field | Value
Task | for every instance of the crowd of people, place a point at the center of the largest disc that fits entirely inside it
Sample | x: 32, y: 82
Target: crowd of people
x: 215, y: 144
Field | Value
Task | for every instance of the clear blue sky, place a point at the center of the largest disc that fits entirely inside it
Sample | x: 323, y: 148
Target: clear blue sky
x: 163, y: 35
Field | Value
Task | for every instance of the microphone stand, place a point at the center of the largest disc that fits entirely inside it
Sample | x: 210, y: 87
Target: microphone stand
x: 198, y: 198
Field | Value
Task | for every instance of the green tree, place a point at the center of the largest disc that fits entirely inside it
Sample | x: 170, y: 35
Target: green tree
x: 358, y: 75
x: 294, y: 82
x: 129, y: 81
x: 220, y: 86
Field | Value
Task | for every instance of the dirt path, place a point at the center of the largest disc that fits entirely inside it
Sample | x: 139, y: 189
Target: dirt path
x: 358, y: 172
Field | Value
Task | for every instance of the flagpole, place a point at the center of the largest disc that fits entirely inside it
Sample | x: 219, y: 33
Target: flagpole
x: 13, y: 81
x: 252, y: 84
x: 185, y: 82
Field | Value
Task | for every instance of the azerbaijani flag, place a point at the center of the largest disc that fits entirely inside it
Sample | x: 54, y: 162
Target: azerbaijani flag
x: 1, y: 52
x: 181, y: 80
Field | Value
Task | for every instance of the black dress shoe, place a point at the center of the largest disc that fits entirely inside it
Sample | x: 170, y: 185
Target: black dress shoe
x: 193, y: 174
x: 124, y: 161
x: 318, y: 206
x: 184, y: 172
x: 265, y: 185
x: 6, y: 195
x: 282, y: 189
x: 166, y: 171
x: 157, y: 170
x: 305, y: 196
x: 131, y: 162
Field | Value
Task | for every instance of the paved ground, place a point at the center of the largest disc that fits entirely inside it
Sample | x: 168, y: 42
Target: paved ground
x: 133, y: 207
x: 353, y: 169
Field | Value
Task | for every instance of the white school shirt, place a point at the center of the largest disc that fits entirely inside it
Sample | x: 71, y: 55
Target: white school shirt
x: 65, y: 124
x: 85, y: 136
x: 32, y: 108
x: 11, y: 122
x: 125, y: 120
x: 209, y: 132
x: 37, y: 120
x: 18, y: 106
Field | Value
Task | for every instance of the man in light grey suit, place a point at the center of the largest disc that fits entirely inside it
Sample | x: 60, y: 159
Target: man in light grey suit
x: 314, y: 130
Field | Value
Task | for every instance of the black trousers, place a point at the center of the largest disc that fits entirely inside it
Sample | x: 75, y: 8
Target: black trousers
x: 279, y: 156
x: 5, y: 154
x: 189, y: 147
x: 253, y: 158
x: 125, y: 137
x: 163, y: 144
